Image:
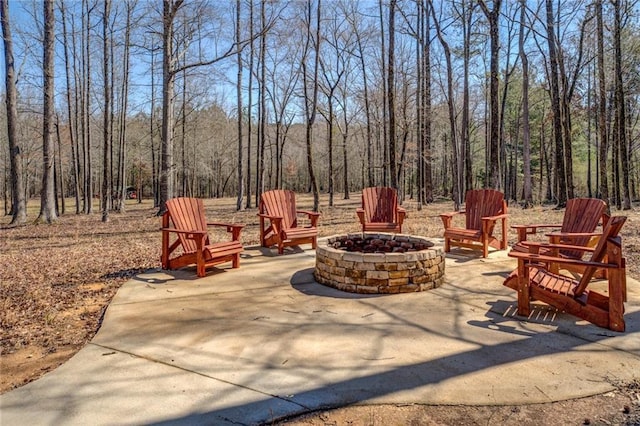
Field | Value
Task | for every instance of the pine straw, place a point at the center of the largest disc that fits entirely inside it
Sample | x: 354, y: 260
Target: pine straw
x: 56, y: 280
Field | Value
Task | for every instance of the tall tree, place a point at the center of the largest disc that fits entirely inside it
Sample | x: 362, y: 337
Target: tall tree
x: 391, y: 90
x: 18, y: 199
x: 310, y: 83
x: 455, y: 152
x: 365, y: 89
x: 602, y: 107
x: 526, y: 134
x: 47, y: 193
x: 620, y: 107
x: 240, y: 109
x: 106, y: 121
x: 561, y: 181
x: 72, y: 109
x: 493, y: 17
x: 123, y: 111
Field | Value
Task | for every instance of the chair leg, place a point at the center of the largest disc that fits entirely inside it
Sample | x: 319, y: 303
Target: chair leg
x: 235, y: 263
x: 524, y: 305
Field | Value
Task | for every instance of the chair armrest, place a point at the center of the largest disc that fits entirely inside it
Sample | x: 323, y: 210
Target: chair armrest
x: 448, y: 217
x: 452, y: 214
x: 496, y: 218
x: 402, y: 214
x: 524, y: 230
x: 228, y: 225
x: 538, y: 258
x: 313, y: 216
x: 233, y: 228
x: 570, y: 235
x: 266, y: 216
x: 534, y: 247
x: 183, y: 231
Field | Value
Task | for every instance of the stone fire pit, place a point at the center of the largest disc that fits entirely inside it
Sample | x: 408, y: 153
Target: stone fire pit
x: 379, y: 263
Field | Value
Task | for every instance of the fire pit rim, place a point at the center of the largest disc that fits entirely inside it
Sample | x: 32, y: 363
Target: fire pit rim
x: 379, y: 273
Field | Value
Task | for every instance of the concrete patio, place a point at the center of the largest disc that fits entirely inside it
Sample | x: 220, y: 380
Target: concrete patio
x: 266, y: 342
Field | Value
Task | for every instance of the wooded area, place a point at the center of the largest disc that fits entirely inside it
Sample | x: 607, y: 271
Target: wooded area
x: 539, y: 99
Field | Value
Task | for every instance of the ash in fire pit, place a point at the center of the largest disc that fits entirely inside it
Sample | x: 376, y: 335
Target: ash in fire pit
x: 379, y: 263
x: 374, y: 244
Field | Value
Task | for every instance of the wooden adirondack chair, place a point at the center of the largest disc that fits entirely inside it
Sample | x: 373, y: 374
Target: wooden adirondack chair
x: 278, y: 207
x: 581, y: 218
x: 483, y: 208
x: 380, y: 211
x: 185, y: 218
x: 536, y: 281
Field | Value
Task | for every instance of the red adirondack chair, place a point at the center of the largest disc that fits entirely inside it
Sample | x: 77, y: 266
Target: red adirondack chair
x: 380, y: 211
x: 535, y: 280
x: 578, y: 228
x: 279, y: 223
x: 483, y: 208
x: 185, y: 219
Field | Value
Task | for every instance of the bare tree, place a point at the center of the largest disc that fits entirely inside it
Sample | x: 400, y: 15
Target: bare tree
x: 457, y: 169
x: 365, y: 87
x: 602, y: 107
x: 561, y: 181
x: 310, y: 78
x: 18, y: 199
x: 620, y: 106
x: 391, y: 89
x: 106, y: 121
x: 493, y: 17
x: 71, y: 110
x: 47, y: 194
x: 526, y: 134
x: 240, y: 111
x: 123, y: 110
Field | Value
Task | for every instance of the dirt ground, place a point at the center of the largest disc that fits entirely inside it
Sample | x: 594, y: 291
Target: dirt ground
x: 57, y: 280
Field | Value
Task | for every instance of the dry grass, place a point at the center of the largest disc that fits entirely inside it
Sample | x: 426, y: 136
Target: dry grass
x: 57, y: 279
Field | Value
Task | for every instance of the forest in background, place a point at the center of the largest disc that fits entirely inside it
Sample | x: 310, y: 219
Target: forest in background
x: 539, y: 99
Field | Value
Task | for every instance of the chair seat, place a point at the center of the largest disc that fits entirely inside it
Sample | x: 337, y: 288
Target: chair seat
x: 380, y: 226
x: 461, y: 233
x: 297, y: 233
x: 553, y: 283
x: 218, y: 250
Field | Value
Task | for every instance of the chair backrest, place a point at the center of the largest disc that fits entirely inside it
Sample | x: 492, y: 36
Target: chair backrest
x: 481, y: 203
x: 281, y: 203
x: 611, y: 231
x: 582, y: 215
x: 187, y: 214
x: 380, y: 204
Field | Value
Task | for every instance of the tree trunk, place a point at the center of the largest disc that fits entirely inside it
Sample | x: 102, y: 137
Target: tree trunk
x: 47, y: 195
x: 555, y: 107
x: 493, y: 17
x: 240, y: 192
x: 311, y: 99
x: 106, y: 131
x: 18, y: 199
x: 250, y: 106
x: 526, y: 134
x: 620, y: 131
x: 72, y: 123
x: 602, y: 105
x: 167, y: 169
x: 391, y: 90
x: 457, y: 172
